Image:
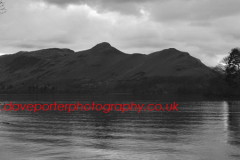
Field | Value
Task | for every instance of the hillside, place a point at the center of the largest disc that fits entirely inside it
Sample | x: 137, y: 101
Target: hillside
x: 102, y: 68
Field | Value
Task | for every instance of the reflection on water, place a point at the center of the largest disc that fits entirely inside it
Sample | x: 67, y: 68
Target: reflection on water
x: 199, y: 130
x: 234, y: 123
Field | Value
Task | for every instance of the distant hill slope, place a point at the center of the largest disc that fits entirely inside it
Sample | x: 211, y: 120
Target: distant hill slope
x: 103, y: 67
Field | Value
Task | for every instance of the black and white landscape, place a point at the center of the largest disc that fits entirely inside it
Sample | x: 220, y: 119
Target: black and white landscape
x: 114, y: 52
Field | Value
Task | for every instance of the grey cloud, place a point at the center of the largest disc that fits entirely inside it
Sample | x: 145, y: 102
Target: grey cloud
x: 236, y: 36
x: 200, y: 24
x: 28, y: 46
x: 122, y: 6
x: 67, y: 2
x: 163, y: 10
x: 152, y: 46
x: 179, y: 10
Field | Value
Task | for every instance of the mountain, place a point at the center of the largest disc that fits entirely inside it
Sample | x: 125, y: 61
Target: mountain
x: 101, y: 68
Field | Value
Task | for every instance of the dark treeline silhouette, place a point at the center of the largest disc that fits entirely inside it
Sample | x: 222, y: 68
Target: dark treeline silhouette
x: 226, y: 83
x: 2, y: 7
x: 143, y: 86
x: 163, y: 85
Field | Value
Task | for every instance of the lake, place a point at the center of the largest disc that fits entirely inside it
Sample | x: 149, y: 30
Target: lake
x: 201, y: 129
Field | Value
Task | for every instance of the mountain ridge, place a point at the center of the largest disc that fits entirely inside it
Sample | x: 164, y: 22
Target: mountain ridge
x: 100, y: 67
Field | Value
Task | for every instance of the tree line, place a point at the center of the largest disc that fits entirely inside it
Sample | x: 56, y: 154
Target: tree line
x: 2, y: 7
x: 227, y: 81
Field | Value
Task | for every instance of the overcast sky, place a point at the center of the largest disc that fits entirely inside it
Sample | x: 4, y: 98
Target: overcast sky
x: 207, y: 29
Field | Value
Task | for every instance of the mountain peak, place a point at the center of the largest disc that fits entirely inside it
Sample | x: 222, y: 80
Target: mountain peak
x: 172, y: 49
x: 104, y: 48
x: 175, y: 51
x: 102, y: 45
